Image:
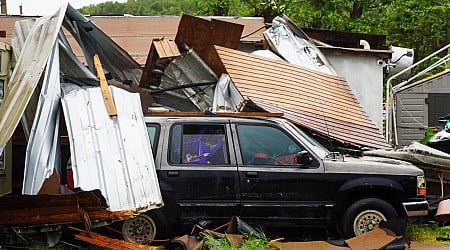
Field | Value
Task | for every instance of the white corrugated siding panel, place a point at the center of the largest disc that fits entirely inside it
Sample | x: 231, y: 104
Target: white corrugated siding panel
x: 43, y: 148
x: 411, y: 118
x: 112, y: 154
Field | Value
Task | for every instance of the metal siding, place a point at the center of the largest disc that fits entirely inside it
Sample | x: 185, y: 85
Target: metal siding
x: 27, y: 72
x: 43, y: 148
x: 321, y: 102
x: 112, y: 154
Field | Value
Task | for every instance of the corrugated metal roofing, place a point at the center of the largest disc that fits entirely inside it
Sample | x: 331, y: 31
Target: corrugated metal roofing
x: 112, y: 154
x: 318, y: 101
x: 27, y: 72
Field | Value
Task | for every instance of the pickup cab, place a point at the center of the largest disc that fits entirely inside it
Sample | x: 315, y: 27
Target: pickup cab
x: 271, y: 174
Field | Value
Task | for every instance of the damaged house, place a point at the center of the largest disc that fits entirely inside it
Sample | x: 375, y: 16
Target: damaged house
x: 80, y: 123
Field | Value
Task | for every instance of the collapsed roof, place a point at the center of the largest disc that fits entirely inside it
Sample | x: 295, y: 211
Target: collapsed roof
x: 318, y: 101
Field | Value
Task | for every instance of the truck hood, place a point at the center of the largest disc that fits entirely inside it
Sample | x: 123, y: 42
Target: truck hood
x: 371, y: 165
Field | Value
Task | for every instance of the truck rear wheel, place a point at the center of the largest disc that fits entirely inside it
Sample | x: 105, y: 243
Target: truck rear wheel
x: 145, y: 228
x: 363, y: 215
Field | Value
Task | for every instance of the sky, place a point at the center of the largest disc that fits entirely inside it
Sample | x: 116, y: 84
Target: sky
x: 46, y: 7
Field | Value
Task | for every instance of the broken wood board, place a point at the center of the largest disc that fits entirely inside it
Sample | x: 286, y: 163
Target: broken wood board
x: 161, y: 52
x: 44, y: 209
x: 202, y: 34
x: 106, y: 242
x: 110, y: 107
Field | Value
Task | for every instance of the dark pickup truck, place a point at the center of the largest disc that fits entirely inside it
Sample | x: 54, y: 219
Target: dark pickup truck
x: 271, y: 174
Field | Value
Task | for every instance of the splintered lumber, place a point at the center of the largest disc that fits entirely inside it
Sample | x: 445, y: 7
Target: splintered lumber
x: 106, y: 242
x: 45, y: 209
x: 107, y: 97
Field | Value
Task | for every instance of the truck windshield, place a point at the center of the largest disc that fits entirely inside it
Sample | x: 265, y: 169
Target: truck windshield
x: 310, y: 142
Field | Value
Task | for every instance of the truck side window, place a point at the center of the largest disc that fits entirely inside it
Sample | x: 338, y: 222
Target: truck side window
x: 153, y: 132
x: 198, y: 144
x: 266, y: 145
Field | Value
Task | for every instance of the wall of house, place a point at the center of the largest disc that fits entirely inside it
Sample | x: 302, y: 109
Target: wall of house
x: 413, y: 111
x: 365, y: 78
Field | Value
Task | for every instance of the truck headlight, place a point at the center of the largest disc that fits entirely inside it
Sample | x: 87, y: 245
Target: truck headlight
x: 421, y: 185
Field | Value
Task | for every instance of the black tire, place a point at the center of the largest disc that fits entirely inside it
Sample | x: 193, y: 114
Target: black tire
x: 147, y: 228
x: 364, y: 214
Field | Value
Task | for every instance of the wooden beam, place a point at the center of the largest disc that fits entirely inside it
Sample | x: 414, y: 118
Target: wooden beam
x: 237, y: 114
x: 107, y: 97
x: 108, y: 243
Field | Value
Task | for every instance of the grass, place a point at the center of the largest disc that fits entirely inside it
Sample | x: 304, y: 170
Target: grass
x: 250, y: 243
x: 428, y: 233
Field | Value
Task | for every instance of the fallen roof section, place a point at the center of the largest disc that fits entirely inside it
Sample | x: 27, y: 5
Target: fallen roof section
x: 111, y: 154
x: 321, y: 102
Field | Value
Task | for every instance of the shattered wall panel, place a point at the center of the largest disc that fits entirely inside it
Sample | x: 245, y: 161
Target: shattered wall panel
x: 112, y: 154
x: 307, y: 97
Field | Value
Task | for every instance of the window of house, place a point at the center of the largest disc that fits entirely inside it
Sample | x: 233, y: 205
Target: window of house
x: 266, y: 145
x: 198, y: 144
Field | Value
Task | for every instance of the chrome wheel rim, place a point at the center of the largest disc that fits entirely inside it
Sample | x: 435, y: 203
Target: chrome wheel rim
x: 366, y: 221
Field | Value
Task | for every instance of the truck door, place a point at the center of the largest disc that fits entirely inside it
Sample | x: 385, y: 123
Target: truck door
x: 199, y: 171
x: 273, y: 184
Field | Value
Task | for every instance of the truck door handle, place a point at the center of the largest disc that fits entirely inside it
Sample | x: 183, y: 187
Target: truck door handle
x: 173, y: 173
x: 252, y: 174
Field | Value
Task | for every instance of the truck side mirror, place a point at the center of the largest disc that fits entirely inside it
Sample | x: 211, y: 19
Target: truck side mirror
x: 303, y: 157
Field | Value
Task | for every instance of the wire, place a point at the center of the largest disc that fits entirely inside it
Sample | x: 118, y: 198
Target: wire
x: 242, y: 37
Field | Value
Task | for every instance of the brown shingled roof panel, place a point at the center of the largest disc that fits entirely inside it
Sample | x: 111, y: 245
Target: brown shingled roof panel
x: 321, y: 102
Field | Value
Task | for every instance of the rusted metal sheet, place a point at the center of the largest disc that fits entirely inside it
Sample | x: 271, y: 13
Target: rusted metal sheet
x: 112, y: 154
x: 202, y: 34
x: 321, y: 102
x: 45, y: 209
x: 160, y: 53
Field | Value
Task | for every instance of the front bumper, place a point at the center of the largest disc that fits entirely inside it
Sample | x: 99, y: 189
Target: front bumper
x: 416, y: 208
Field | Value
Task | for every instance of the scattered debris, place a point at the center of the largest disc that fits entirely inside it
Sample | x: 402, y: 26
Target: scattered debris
x: 108, y: 243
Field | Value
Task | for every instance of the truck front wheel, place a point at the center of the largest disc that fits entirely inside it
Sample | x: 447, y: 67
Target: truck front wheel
x: 363, y: 215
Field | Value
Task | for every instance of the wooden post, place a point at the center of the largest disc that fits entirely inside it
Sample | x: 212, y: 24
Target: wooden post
x: 107, y: 97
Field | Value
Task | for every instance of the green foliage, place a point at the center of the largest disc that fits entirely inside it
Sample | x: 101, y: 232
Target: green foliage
x: 250, y: 243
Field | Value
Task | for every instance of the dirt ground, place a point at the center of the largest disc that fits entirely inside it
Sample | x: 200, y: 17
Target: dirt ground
x: 427, y: 246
